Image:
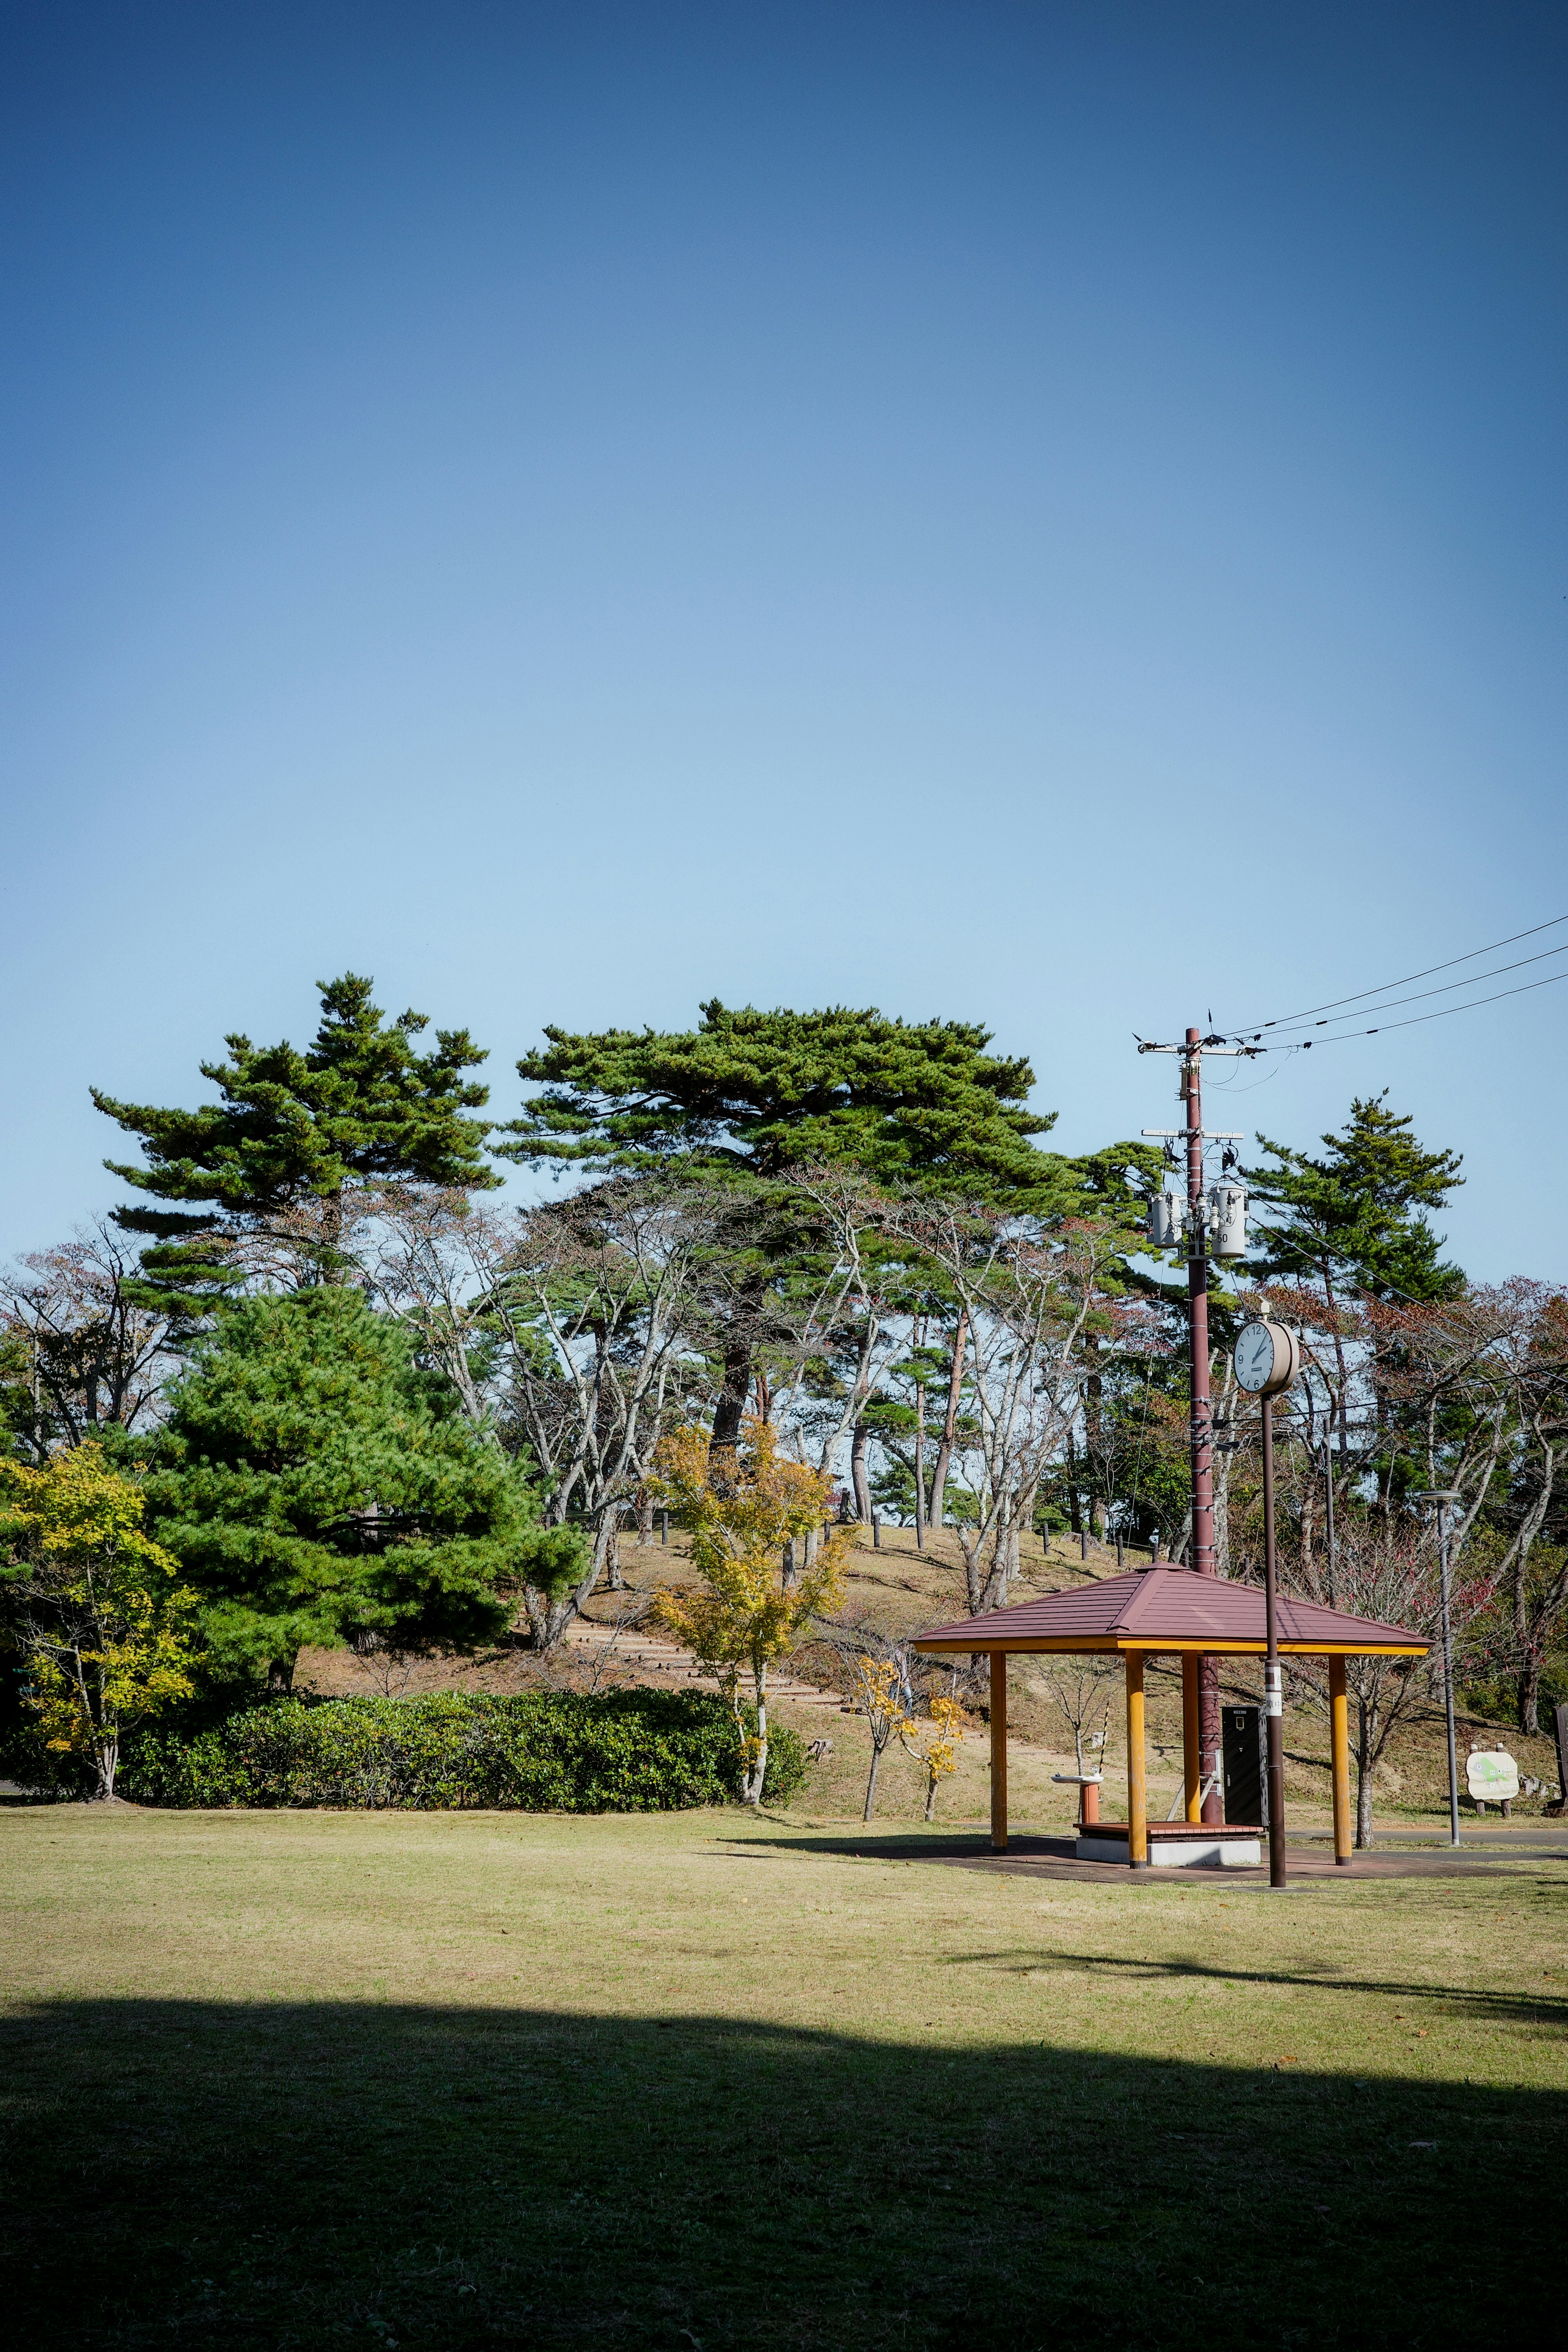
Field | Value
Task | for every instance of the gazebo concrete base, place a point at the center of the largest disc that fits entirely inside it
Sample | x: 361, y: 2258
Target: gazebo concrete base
x: 1177, y: 1845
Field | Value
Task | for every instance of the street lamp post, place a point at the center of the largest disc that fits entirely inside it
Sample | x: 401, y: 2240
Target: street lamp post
x: 1443, y: 1496
x: 1273, y: 1693
x: 1267, y: 1358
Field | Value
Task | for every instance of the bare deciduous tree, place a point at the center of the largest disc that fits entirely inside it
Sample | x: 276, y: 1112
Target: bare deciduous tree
x: 90, y: 1352
x: 1030, y: 1296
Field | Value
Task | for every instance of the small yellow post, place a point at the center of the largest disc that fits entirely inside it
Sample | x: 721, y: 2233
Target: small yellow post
x: 999, y: 1750
x: 1137, y: 1787
x: 1340, y: 1750
x: 1192, y: 1735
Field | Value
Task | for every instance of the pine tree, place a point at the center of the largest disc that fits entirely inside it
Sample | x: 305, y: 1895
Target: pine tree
x: 751, y: 1096
x: 360, y: 1108
x: 1354, y: 1219
x: 917, y: 1103
x: 317, y: 1488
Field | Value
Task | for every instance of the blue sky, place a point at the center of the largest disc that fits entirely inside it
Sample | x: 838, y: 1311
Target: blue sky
x: 1050, y: 514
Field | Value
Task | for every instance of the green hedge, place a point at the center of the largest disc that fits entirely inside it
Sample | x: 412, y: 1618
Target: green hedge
x: 621, y: 1751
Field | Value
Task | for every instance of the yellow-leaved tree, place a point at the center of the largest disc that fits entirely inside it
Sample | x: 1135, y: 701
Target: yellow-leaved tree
x: 739, y: 1514
x: 883, y: 1692
x: 935, y: 1745
x: 101, y: 1617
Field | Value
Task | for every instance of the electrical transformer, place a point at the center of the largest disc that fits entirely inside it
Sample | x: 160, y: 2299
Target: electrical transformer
x: 1165, y: 1221
x: 1228, y: 1221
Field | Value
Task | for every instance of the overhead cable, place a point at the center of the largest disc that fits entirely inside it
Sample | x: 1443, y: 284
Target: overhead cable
x: 1305, y: 1045
x: 1444, y: 989
x: 1282, y: 1019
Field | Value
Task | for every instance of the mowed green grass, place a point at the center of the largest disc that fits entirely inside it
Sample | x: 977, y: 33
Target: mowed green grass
x: 485, y: 2080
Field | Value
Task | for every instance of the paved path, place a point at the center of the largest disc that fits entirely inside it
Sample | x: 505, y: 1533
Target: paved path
x: 1053, y: 1857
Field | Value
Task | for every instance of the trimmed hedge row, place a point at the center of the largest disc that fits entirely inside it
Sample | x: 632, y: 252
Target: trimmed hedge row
x: 621, y: 1751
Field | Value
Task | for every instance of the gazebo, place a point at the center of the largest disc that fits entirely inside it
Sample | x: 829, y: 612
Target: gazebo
x: 1165, y: 1611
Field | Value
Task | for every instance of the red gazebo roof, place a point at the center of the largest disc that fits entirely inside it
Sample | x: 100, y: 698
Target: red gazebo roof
x: 1171, y: 1608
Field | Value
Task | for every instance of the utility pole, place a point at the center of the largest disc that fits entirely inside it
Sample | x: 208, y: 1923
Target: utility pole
x: 1230, y: 1239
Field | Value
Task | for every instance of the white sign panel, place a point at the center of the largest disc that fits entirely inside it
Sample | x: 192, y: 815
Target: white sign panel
x: 1491, y: 1775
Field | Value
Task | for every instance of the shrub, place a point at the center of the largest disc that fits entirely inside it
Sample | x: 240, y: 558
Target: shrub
x: 555, y: 1752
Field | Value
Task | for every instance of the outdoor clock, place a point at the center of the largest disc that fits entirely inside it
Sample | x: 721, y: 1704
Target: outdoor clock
x: 1267, y: 1357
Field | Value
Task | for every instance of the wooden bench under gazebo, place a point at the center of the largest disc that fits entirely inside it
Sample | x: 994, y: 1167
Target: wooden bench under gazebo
x: 1167, y: 1610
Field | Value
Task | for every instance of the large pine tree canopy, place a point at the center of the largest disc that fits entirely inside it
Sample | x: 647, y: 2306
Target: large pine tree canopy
x: 317, y: 1485
x: 917, y: 1103
x: 1354, y: 1215
x: 360, y: 1106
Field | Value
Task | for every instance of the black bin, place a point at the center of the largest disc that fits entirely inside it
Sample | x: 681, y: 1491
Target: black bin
x: 1246, y: 1769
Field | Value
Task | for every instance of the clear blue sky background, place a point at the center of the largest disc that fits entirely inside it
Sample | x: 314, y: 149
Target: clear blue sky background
x: 1047, y: 513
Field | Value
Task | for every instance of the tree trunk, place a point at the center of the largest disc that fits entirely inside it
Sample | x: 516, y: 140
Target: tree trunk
x: 731, y: 1410
x: 1074, y: 1508
x: 613, y: 1558
x: 644, y: 1515
x: 1530, y: 1691
x: 1003, y: 1564
x: 931, y: 1796
x: 107, y: 1765
x: 857, y: 1477
x: 871, y: 1783
x: 919, y: 1466
x: 950, y: 1421
x: 751, y: 1784
x: 973, y: 1581
x: 335, y: 1271
x: 789, y: 1567
x: 1366, y: 1727
x: 548, y: 1619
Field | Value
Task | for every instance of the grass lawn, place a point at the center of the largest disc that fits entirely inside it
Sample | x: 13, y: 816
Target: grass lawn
x: 387, y: 2080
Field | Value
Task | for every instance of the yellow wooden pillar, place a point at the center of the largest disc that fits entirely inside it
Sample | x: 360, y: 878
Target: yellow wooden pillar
x: 999, y: 1750
x: 1137, y: 1785
x: 1192, y: 1734
x: 1339, y: 1751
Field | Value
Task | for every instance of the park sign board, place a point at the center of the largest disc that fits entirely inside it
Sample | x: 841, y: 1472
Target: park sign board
x: 1491, y: 1775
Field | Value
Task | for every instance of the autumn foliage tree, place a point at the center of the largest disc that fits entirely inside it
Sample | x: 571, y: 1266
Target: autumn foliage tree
x: 97, y: 1607
x: 740, y: 1516
x: 881, y: 1693
x: 933, y: 1740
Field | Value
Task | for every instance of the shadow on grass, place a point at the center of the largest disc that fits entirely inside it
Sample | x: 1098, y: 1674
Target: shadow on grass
x: 200, y: 2174
x: 1545, y: 2011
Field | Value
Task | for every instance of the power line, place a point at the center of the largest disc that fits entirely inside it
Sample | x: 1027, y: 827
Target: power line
x: 1307, y: 1043
x: 1446, y: 987
x: 1282, y: 1019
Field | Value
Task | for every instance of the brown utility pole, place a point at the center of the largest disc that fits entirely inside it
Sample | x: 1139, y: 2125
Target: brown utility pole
x: 1200, y: 1414
x: 1201, y: 1421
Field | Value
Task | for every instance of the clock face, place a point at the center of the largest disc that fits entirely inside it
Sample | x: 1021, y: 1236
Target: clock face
x: 1255, y: 1357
